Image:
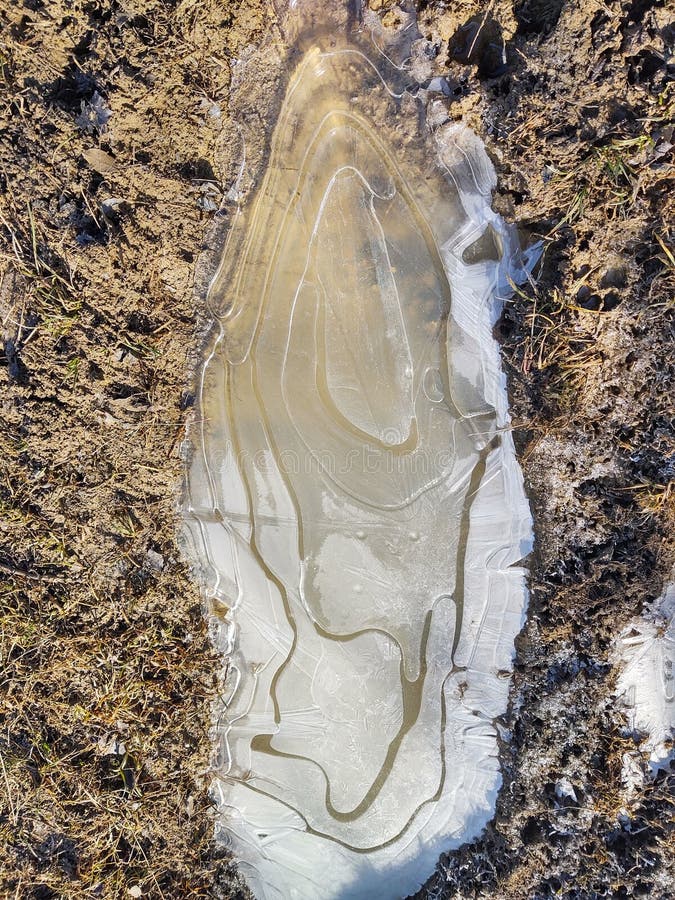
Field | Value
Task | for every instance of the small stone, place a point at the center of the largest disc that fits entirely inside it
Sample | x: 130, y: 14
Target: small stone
x: 99, y: 160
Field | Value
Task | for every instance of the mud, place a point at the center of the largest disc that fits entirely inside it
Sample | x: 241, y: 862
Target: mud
x: 118, y: 145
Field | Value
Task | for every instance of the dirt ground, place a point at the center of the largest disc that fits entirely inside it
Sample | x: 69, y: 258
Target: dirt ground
x: 117, y: 146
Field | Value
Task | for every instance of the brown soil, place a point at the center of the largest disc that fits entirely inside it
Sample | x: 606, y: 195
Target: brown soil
x: 117, y: 146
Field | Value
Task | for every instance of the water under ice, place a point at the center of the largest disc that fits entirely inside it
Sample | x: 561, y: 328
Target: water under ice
x: 353, y: 497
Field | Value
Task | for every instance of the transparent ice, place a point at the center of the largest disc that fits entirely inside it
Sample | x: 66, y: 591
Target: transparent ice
x: 354, y: 500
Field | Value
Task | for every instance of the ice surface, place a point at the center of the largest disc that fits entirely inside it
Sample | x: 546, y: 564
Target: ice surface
x: 646, y: 684
x: 354, y: 499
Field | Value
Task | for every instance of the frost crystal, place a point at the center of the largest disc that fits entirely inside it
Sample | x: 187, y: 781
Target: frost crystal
x: 354, y: 498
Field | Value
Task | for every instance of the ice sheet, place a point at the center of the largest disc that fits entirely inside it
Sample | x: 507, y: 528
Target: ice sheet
x: 354, y: 499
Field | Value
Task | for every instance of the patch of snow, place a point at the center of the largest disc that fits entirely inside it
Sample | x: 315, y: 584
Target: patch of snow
x: 645, y: 653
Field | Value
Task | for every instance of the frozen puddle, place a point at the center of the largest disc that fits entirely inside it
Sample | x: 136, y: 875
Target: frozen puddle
x: 354, y: 499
